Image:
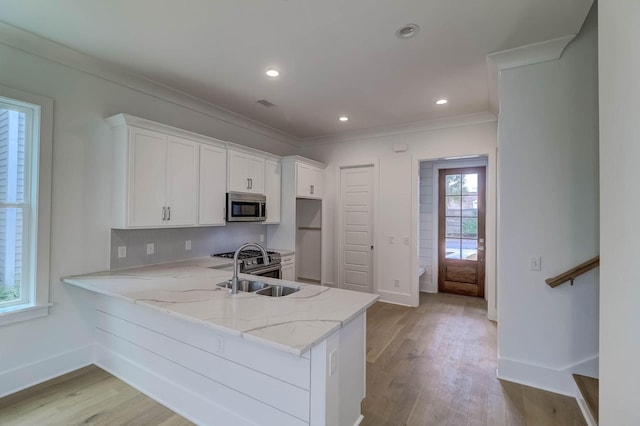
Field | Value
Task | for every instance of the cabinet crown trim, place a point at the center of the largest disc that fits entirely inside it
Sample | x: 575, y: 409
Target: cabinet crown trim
x: 123, y: 119
x: 299, y: 159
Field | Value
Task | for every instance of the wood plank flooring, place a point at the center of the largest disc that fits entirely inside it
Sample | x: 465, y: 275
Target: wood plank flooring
x: 432, y: 365
x: 436, y: 365
x: 89, y: 396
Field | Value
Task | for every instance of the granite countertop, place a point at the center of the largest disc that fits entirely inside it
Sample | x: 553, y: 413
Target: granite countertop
x: 188, y: 290
x: 283, y: 252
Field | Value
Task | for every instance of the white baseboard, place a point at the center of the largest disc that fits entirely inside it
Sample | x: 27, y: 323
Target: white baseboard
x: 586, y: 413
x: 28, y: 375
x: 549, y: 379
x: 395, y: 298
x: 359, y: 420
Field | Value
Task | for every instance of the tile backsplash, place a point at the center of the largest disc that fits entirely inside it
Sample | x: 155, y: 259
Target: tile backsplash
x: 169, y: 243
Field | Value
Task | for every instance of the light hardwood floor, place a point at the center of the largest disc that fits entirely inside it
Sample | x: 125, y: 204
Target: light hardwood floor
x: 436, y: 365
x: 432, y: 365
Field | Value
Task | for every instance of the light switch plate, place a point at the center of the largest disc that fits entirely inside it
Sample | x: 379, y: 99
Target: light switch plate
x: 535, y: 263
x: 122, y: 252
x: 150, y: 248
x: 187, y: 245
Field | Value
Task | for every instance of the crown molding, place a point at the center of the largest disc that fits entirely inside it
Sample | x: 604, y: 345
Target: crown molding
x: 33, y: 44
x: 406, y: 128
x: 544, y: 51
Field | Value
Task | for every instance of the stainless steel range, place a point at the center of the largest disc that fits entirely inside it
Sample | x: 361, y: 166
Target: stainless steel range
x: 250, y: 262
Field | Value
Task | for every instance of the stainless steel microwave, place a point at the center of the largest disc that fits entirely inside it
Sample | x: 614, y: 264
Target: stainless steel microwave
x: 243, y: 207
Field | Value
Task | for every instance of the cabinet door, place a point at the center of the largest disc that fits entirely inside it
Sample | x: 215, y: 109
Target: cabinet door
x: 147, y: 178
x: 316, y: 182
x: 303, y: 180
x: 213, y: 185
x: 288, y: 273
x: 238, y: 165
x: 272, y: 189
x: 256, y: 174
x: 182, y: 182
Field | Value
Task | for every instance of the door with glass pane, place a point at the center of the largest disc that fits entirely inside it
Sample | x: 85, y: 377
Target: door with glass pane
x: 461, y: 208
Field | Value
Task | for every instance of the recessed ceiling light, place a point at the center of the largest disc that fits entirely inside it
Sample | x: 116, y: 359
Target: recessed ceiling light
x: 441, y: 101
x: 408, y: 31
x: 344, y: 118
x: 273, y: 73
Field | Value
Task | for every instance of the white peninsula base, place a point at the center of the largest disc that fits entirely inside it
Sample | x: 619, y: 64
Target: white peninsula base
x: 217, y: 378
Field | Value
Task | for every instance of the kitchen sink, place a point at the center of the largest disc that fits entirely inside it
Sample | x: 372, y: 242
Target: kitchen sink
x: 278, y: 290
x: 245, y: 285
x: 261, y: 288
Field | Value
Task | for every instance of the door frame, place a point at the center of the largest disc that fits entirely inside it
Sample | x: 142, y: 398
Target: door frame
x: 374, y: 163
x: 489, y: 160
x: 481, y: 220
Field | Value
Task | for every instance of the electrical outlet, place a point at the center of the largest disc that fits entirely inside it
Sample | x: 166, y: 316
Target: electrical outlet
x: 535, y: 263
x: 262, y: 238
x: 396, y: 283
x: 150, y: 248
x: 406, y: 241
x: 122, y: 252
x: 187, y: 245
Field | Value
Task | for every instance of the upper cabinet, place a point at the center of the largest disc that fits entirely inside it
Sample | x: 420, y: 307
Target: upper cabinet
x: 245, y: 172
x: 213, y: 185
x: 161, y: 180
x: 272, y: 189
x: 309, y: 180
x: 165, y: 177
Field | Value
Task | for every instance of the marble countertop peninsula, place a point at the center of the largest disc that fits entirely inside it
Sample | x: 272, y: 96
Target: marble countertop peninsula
x: 188, y: 290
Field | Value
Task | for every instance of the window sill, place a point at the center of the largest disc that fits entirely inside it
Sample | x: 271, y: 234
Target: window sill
x: 23, y: 313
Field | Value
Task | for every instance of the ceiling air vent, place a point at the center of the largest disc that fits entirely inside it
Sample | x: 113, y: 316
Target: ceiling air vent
x: 266, y: 103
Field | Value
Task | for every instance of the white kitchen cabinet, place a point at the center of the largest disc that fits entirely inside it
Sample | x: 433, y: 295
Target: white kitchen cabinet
x: 213, y: 185
x: 288, y: 267
x: 162, y: 180
x: 309, y: 181
x: 245, y: 172
x: 272, y: 188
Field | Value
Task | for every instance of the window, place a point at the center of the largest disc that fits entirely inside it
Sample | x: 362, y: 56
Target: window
x: 25, y: 134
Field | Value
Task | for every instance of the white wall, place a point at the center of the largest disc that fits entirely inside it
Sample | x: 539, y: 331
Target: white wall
x: 548, y: 206
x: 396, y: 201
x: 619, y: 62
x: 82, y: 194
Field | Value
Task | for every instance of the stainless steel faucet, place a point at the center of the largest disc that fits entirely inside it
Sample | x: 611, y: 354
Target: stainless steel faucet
x: 234, y: 279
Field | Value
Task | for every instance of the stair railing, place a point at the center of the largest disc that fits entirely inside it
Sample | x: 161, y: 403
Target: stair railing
x: 571, y: 274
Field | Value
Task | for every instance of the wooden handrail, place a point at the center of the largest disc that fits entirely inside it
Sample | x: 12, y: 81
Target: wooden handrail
x: 571, y: 274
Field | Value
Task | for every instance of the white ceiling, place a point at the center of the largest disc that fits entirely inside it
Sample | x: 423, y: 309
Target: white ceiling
x: 335, y: 56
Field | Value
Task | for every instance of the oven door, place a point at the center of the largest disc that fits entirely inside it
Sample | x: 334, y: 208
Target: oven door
x: 269, y: 271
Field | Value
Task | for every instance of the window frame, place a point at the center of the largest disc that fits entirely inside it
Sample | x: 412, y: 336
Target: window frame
x: 39, y: 215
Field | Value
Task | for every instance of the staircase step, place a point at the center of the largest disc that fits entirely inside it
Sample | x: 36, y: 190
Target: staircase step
x: 588, y: 387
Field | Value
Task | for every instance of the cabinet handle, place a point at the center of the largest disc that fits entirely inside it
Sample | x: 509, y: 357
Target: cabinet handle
x: 168, y: 213
x: 250, y: 183
x: 164, y: 214
x: 311, y: 189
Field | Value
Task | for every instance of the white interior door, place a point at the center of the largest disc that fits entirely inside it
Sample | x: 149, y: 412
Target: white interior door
x: 356, y: 192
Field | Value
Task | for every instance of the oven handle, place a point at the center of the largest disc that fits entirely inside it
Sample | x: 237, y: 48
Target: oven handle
x: 268, y: 268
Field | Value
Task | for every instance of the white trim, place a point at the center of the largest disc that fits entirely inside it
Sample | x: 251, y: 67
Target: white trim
x: 359, y: 420
x: 28, y: 375
x: 544, y: 51
x: 40, y: 239
x: 19, y: 313
x: 30, y: 43
x: 586, y: 413
x: 403, y: 129
x: 558, y: 380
